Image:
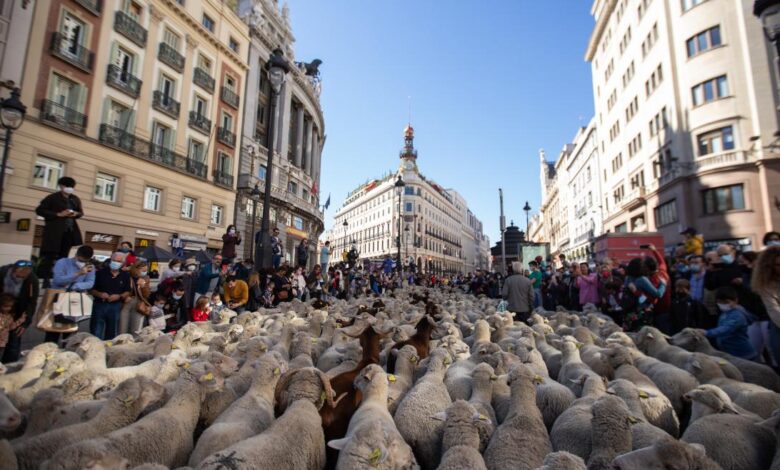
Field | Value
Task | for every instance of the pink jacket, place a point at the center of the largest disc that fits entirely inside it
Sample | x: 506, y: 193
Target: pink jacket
x: 589, y: 289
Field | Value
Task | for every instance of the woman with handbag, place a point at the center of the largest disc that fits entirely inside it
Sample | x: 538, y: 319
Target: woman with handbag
x: 138, y: 305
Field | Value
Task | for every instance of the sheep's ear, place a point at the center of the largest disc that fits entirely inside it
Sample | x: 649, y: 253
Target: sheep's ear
x: 696, y: 364
x: 338, y: 444
x: 650, y: 336
x: 729, y: 407
x: 598, y: 355
x: 440, y: 416
x: 698, y: 448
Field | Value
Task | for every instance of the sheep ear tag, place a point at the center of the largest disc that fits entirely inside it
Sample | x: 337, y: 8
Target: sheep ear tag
x: 59, y: 370
x: 337, y: 444
x: 207, y: 378
x: 109, y: 343
x: 643, y: 394
x: 632, y: 420
x: 390, y: 378
x: 376, y: 457
x: 277, y: 371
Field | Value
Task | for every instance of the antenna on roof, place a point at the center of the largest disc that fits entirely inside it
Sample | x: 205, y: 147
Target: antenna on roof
x: 410, y: 109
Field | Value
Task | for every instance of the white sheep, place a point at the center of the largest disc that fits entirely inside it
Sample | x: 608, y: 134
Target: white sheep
x: 10, y: 418
x: 521, y: 441
x: 571, y: 431
x: 401, y: 381
x: 482, y: 378
x: 55, y: 372
x: 458, y: 376
x: 461, y: 440
x: 708, y: 399
x: 562, y: 460
x: 610, y: 433
x: 666, y: 454
x: 572, y: 367
x: 643, y: 434
x: 30, y: 370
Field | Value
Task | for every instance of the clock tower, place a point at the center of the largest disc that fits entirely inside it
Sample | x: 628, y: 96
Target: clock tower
x: 409, y: 154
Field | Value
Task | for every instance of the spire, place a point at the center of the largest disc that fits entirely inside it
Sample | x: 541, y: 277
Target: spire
x: 409, y: 153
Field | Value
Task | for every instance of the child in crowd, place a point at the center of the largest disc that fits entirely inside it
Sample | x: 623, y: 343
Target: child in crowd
x: 268, y: 295
x: 731, y: 333
x: 688, y: 312
x: 216, y: 306
x: 202, y: 309
x: 7, y: 322
x: 175, y: 307
x: 157, y: 314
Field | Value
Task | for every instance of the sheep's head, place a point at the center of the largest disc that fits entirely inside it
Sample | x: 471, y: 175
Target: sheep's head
x: 226, y: 365
x: 376, y: 448
x: 206, y: 375
x: 85, y: 385
x: 10, y: 418
x: 665, y: 454
x: 268, y: 369
x: 225, y: 315
x: 75, y: 341
x: 137, y: 393
x: 38, y: 355
x: 521, y: 373
x: 87, y: 345
x: 234, y: 332
x: 407, y: 353
x: 61, y: 366
x: 301, y: 344
x: 483, y: 374
x: 618, y: 355
x: 713, y: 398
x: 308, y: 383
x: 461, y: 421
x: 125, y: 338
x: 622, y: 339
x: 372, y: 377
x: 626, y: 390
x: 649, y: 336
x: 689, y: 339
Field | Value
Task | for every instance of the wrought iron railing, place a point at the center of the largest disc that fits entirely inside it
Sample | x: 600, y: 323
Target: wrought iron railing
x: 125, y: 25
x: 93, y: 6
x: 230, y: 97
x: 200, y: 122
x: 122, y: 140
x: 123, y: 81
x: 223, y: 178
x: 226, y: 137
x: 169, y: 55
x: 75, y: 54
x: 164, y: 103
x: 203, y: 79
x: 62, y: 116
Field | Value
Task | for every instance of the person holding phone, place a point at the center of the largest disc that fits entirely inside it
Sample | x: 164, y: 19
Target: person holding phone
x: 61, y: 231
x: 74, y: 274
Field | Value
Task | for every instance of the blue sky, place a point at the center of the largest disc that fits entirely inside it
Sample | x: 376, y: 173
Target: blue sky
x: 491, y: 83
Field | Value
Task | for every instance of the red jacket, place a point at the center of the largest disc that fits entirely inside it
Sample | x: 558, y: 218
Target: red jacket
x: 664, y: 304
x: 199, y: 315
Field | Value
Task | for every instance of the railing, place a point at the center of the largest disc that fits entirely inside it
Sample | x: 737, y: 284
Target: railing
x: 404, y: 153
x: 721, y: 159
x: 583, y: 237
x: 165, y: 104
x: 127, y: 142
x: 203, y: 79
x: 129, y: 28
x: 230, y: 97
x: 199, y: 122
x: 93, y: 6
x: 62, y: 116
x: 226, y: 137
x: 123, y: 81
x: 74, y: 54
x: 169, y: 55
x: 223, y: 178
x: 634, y: 197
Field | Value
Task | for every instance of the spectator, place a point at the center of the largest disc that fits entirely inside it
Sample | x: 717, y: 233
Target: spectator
x: 518, y: 291
x: 325, y: 254
x: 74, y: 274
x: 175, y: 308
x: 276, y: 248
x: 173, y: 271
x: 130, y: 258
x: 766, y: 283
x: 8, y: 322
x: 243, y: 269
x: 353, y: 255
x: 255, y: 292
x: 138, y: 304
x: 61, y: 231
x: 202, y: 309
x: 209, y: 276
x: 216, y: 306
x: 639, y: 296
x: 268, y: 294
x: 230, y: 240
x: 655, y: 268
x: 157, y: 314
x: 588, y: 284
x: 282, y: 286
x: 536, y: 281
x: 19, y: 281
x: 112, y: 287
x: 731, y: 333
x: 694, y: 242
x: 771, y: 239
x: 302, y: 254
x: 697, y: 269
x: 299, y: 284
x: 685, y: 311
x: 177, y: 245
x: 723, y: 273
x: 315, y: 282
x: 236, y: 294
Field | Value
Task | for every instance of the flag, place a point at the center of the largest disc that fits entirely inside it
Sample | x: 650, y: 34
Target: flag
x: 314, y: 188
x: 327, y: 203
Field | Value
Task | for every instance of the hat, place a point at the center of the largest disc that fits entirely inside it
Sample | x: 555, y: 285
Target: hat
x: 688, y: 231
x: 23, y: 263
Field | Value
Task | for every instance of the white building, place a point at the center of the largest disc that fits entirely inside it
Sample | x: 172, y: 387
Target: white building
x: 438, y: 231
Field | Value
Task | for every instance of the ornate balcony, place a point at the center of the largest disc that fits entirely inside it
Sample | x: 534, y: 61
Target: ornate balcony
x: 170, y: 56
x: 222, y: 178
x: 718, y: 160
x: 57, y: 115
x: 200, y: 122
x: 226, y: 137
x: 92, y: 6
x: 123, y: 140
x: 203, y: 79
x: 165, y: 104
x: 230, y: 97
x: 129, y: 28
x: 635, y: 198
x: 123, y: 81
x: 76, y: 55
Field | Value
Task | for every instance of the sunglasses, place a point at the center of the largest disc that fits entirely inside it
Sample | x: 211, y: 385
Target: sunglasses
x: 23, y: 264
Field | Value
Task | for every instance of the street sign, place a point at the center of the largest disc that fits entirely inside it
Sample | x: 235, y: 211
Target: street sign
x: 5, y: 217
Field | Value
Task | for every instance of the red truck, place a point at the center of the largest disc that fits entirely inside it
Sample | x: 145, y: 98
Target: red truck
x: 622, y: 247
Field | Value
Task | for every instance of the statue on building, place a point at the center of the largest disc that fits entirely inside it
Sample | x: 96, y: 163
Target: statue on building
x: 312, y: 68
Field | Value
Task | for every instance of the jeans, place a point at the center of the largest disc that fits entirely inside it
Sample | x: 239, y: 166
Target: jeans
x: 13, y: 348
x: 105, y: 319
x: 758, y: 332
x: 774, y: 341
x: 276, y: 260
x: 537, y: 296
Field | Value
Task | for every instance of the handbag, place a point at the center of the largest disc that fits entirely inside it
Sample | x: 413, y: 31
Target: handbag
x: 45, y: 315
x: 74, y: 306
x: 142, y: 307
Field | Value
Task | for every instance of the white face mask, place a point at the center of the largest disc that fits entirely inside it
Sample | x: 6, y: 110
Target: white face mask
x: 176, y: 268
x: 177, y: 296
x: 67, y: 190
x: 80, y: 264
x: 143, y: 273
x: 191, y: 268
x: 724, y: 307
x: 232, y: 231
x: 218, y: 304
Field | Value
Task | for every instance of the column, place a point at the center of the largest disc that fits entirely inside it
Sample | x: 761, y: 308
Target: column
x: 298, y: 150
x: 315, y: 171
x: 250, y: 101
x: 308, y: 142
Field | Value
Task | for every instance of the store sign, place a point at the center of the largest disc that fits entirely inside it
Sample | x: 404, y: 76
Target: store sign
x: 102, y: 241
x: 5, y: 217
x: 742, y: 244
x: 147, y: 233
x: 193, y: 238
x: 141, y: 243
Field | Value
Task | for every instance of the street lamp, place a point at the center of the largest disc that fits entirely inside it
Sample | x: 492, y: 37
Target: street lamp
x: 254, y: 194
x: 399, y: 186
x: 277, y: 69
x: 345, y: 225
x: 12, y: 113
x: 406, y: 241
x: 527, y: 209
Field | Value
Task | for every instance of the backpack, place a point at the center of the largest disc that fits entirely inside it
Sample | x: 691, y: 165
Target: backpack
x: 628, y: 301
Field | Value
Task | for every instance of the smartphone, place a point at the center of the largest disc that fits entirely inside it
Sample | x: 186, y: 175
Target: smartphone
x: 644, y: 247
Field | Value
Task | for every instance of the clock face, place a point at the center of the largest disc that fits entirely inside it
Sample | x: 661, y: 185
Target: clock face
x: 409, y: 165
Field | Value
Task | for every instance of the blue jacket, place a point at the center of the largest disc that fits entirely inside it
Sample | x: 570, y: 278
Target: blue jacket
x: 64, y: 276
x: 206, y: 274
x: 731, y: 333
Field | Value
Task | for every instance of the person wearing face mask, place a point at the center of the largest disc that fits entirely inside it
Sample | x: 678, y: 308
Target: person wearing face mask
x: 209, y: 277
x: 724, y: 272
x: 731, y: 333
x: 696, y: 280
x: 112, y: 287
x: 771, y: 239
x: 61, y: 231
x: 73, y: 274
x: 230, y: 240
x: 19, y: 281
x: 137, y: 305
x: 173, y: 271
x: 766, y: 283
x: 127, y: 248
x: 175, y: 308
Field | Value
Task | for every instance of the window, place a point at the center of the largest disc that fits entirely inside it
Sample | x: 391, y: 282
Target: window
x: 614, y: 132
x: 216, y: 214
x: 233, y: 45
x: 626, y: 40
x: 195, y: 151
x: 666, y: 213
x: 711, y: 90
x: 188, y: 208
x: 725, y: 198
x: 119, y: 116
x: 132, y: 9
x: 46, y: 172
x: 230, y: 83
x: 73, y: 32
x: 688, y: 4
x: 633, y: 108
x: 224, y: 164
x: 654, y: 81
x: 716, y: 141
x: 167, y: 87
x: 261, y: 172
x: 305, y: 194
x: 227, y: 121
x: 172, y: 39
x: 162, y: 136
x: 106, y: 187
x: 66, y: 94
x: 629, y: 74
x: 650, y: 40
x: 409, y: 191
x: 611, y: 100
x: 124, y: 61
x: 297, y: 222
x: 659, y: 122
x: 292, y: 187
x: 152, y: 199
x: 622, y: 228
x: 207, y: 22
x: 204, y: 63
x: 200, y: 106
x: 704, y: 41
x: 409, y: 207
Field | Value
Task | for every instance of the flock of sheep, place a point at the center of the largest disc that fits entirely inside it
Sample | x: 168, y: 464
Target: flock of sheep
x: 423, y: 379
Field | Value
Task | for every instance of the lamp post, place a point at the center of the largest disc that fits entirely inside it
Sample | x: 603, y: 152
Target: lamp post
x: 254, y: 194
x: 12, y: 113
x: 406, y: 241
x: 277, y: 69
x: 344, y: 243
x: 399, y: 186
x: 527, y: 209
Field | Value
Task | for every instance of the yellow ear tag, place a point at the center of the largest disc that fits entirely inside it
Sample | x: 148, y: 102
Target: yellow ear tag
x: 390, y: 378
x: 60, y: 370
x: 207, y: 378
x: 376, y: 454
x: 314, y: 340
x: 493, y: 378
x: 49, y: 357
x: 722, y: 362
x: 643, y: 394
x: 109, y: 343
x: 482, y: 417
x: 323, y: 395
x: 277, y: 371
x: 539, y: 379
x: 186, y: 365
x: 632, y: 420
x: 174, y: 346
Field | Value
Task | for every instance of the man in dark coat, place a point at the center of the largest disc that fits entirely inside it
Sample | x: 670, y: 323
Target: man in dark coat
x: 302, y: 253
x: 18, y: 280
x: 61, y: 231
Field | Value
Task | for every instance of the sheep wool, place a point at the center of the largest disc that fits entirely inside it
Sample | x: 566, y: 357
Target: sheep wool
x: 610, y: 434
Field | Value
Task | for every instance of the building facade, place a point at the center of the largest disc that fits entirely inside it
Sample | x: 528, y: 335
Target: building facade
x: 298, y: 139
x: 686, y: 109
x: 139, y: 102
x: 438, y: 233
x: 15, y: 22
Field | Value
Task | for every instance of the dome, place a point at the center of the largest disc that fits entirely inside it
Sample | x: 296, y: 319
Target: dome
x: 409, y: 131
